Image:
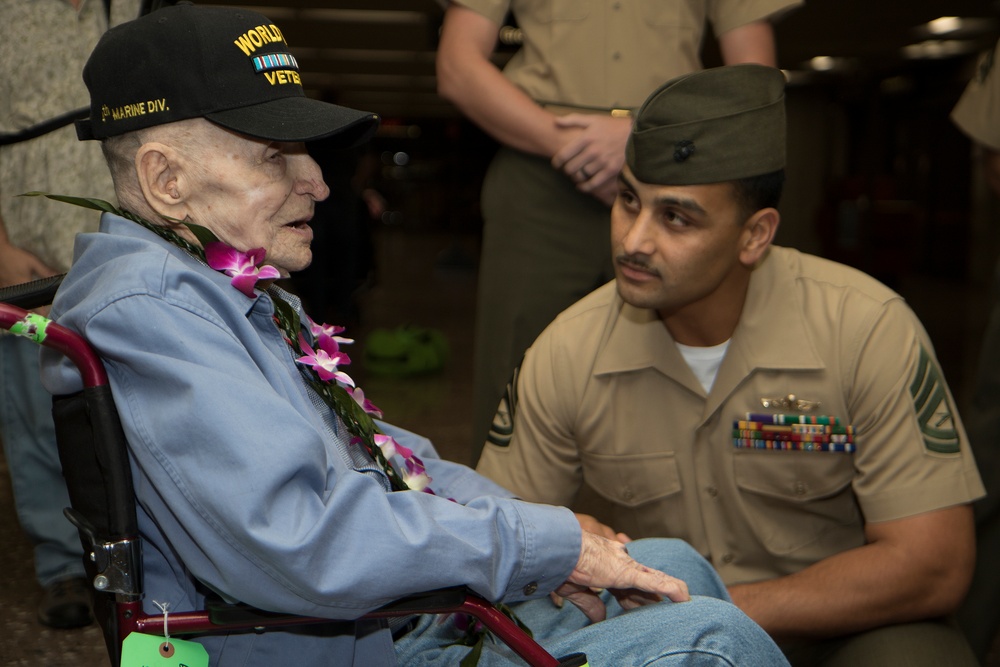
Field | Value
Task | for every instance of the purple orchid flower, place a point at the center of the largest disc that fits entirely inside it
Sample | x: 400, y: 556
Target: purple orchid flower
x: 242, y: 267
x: 319, y: 331
x: 325, y: 361
x: 415, y: 475
x: 358, y: 395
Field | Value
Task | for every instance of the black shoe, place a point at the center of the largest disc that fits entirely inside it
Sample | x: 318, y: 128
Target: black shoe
x: 66, y: 605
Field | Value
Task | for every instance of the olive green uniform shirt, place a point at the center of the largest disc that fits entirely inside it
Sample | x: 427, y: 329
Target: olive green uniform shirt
x: 978, y: 111
x: 613, y: 53
x: 604, y: 397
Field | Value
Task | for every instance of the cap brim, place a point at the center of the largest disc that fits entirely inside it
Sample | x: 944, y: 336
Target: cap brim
x: 300, y: 119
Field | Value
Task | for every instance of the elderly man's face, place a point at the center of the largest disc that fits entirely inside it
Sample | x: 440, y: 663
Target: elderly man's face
x: 255, y: 193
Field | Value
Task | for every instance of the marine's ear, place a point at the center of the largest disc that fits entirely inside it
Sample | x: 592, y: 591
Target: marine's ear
x: 758, y: 233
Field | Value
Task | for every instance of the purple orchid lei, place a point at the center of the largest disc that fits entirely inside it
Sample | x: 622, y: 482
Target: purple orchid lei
x: 325, y: 360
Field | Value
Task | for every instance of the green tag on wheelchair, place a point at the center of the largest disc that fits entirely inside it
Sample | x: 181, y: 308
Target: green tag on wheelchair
x: 33, y: 327
x: 139, y: 650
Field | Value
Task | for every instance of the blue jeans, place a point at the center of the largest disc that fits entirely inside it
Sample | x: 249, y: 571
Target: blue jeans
x: 708, y: 630
x: 29, y: 442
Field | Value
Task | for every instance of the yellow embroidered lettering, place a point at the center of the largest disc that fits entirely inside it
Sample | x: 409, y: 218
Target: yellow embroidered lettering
x: 254, y: 37
x: 281, y: 76
x: 265, y: 36
x: 245, y: 46
x: 278, y: 37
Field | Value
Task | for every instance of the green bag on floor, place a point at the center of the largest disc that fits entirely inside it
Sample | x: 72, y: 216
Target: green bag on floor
x: 405, y: 351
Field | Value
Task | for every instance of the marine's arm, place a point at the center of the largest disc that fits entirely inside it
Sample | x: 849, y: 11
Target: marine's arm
x: 468, y: 78
x: 540, y: 461
x: 913, y: 568
x: 914, y: 481
x: 749, y: 43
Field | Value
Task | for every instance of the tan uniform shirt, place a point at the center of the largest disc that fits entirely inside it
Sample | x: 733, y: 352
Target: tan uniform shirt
x: 613, y: 53
x: 43, y: 47
x: 978, y: 111
x: 605, y: 397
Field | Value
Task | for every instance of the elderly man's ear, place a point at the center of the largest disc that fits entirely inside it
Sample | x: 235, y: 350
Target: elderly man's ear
x: 163, y: 179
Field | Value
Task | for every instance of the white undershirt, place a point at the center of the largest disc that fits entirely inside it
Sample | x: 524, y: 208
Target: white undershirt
x: 704, y: 362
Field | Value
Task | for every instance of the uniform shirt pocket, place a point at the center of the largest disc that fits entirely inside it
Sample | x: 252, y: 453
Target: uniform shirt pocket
x: 632, y: 480
x: 795, y: 500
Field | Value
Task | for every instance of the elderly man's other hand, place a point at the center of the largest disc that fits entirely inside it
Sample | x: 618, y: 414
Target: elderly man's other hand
x: 20, y: 266
x: 606, y: 564
x: 595, y: 157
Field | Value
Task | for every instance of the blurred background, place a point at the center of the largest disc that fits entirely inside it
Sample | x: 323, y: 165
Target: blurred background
x: 878, y: 178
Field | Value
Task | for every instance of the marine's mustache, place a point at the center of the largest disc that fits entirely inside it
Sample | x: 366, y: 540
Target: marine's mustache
x: 637, y: 262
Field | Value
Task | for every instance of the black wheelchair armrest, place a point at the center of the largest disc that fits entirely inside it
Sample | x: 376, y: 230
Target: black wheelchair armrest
x: 237, y: 614
x: 35, y: 294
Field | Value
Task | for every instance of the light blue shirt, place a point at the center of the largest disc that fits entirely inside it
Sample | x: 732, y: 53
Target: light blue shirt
x: 245, y: 490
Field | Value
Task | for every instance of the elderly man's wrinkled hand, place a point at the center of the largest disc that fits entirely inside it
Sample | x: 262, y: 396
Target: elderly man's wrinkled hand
x: 605, y: 564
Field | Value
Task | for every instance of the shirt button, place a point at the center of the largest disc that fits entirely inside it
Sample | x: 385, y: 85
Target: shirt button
x: 616, y: 55
x: 531, y: 588
x: 712, y: 491
x: 727, y: 558
x: 616, y: 6
x: 627, y: 494
x: 800, y: 488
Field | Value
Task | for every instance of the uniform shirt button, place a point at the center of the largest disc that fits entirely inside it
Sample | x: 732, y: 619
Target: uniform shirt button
x: 727, y: 558
x: 712, y: 491
x: 616, y: 6
x: 531, y: 588
x: 627, y: 494
x: 800, y: 488
x: 616, y: 55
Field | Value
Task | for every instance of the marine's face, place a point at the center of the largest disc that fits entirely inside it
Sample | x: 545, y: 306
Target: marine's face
x: 255, y: 193
x: 675, y: 248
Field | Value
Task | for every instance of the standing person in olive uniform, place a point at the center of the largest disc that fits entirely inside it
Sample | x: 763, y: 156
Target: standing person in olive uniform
x: 677, y: 391
x: 978, y: 115
x: 561, y: 110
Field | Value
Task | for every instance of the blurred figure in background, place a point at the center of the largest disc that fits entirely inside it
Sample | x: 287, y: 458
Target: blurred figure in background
x: 43, y: 46
x: 977, y: 114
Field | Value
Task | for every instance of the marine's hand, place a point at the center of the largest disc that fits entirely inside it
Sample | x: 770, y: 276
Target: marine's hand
x: 592, y: 525
x: 594, y: 158
x: 606, y: 564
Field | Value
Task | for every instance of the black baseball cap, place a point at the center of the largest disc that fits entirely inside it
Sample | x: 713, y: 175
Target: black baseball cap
x: 231, y: 66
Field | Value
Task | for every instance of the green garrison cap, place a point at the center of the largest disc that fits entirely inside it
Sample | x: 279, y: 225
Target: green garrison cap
x: 712, y: 126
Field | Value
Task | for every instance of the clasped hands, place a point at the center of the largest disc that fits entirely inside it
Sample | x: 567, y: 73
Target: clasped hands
x: 605, y: 564
x: 594, y: 155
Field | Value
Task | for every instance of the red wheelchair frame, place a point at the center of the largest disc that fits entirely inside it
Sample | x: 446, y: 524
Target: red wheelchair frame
x: 94, y: 457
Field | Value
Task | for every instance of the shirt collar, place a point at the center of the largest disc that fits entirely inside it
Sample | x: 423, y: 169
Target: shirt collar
x: 771, y: 334
x: 119, y: 226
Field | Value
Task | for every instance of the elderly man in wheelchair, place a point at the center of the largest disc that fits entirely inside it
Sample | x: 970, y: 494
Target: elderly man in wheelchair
x: 261, y: 473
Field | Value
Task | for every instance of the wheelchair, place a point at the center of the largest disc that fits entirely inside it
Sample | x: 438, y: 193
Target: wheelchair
x: 94, y: 455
